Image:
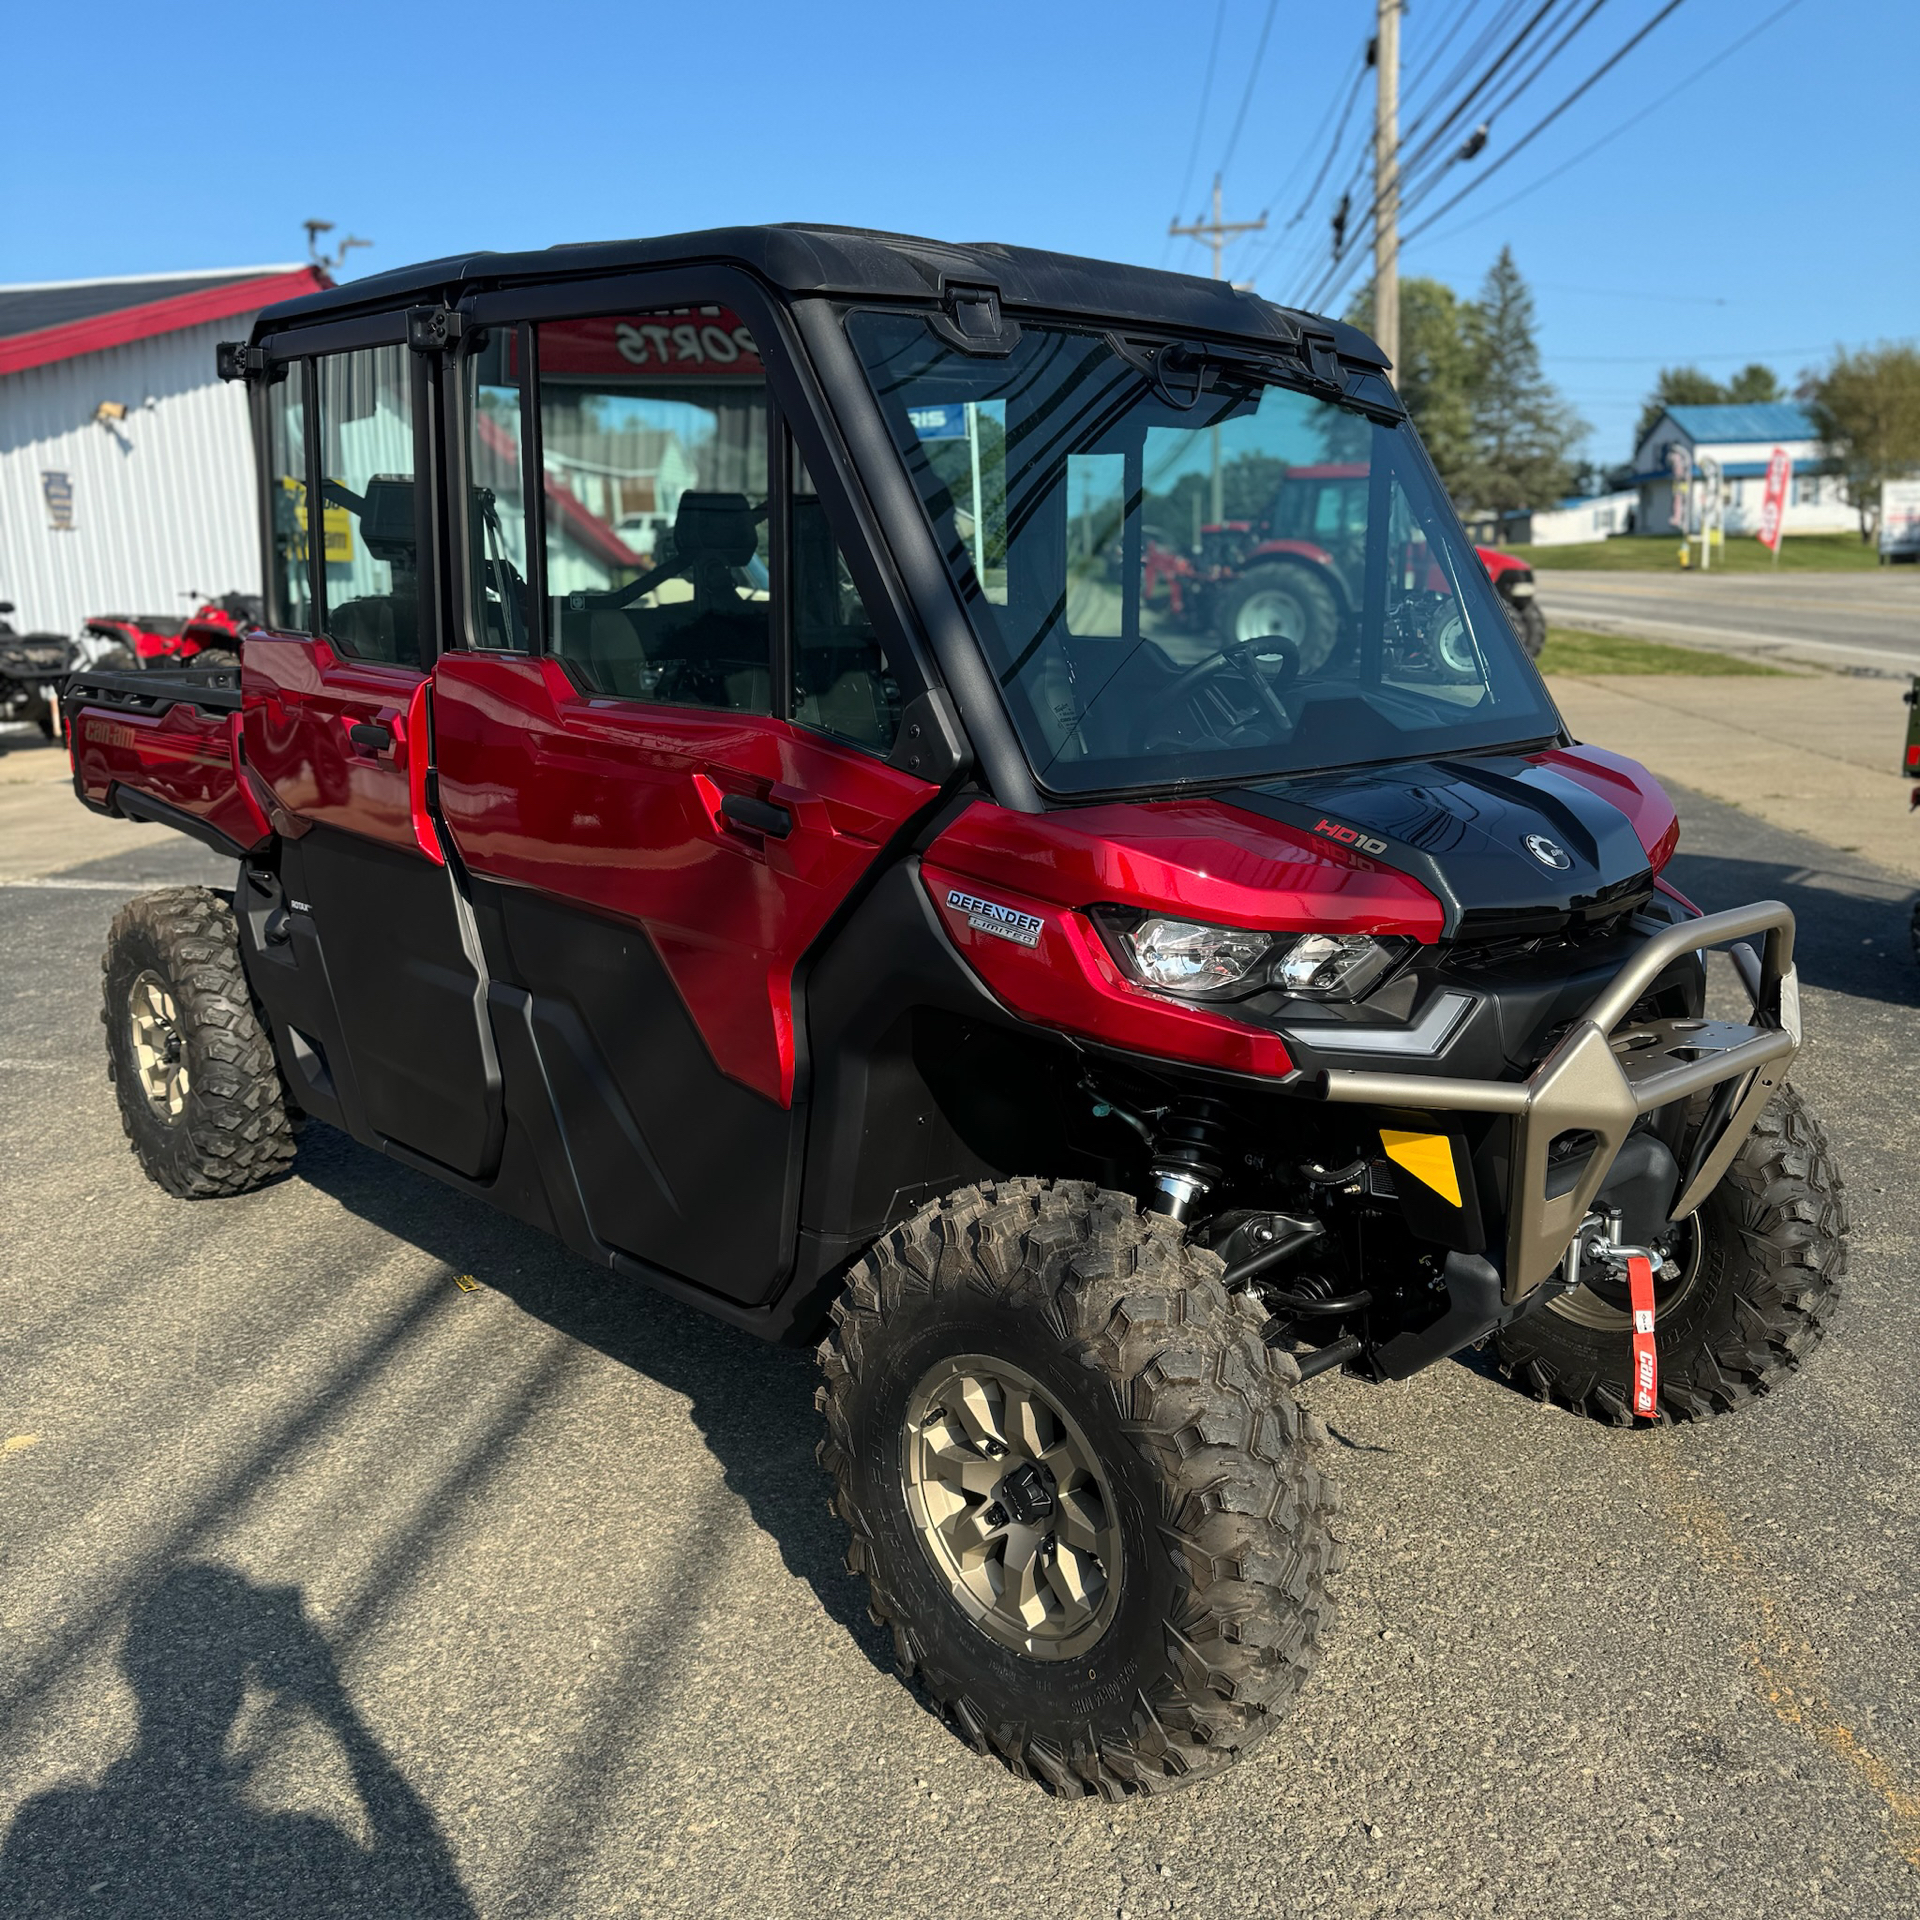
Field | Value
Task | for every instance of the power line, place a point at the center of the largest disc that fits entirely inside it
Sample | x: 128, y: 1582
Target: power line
x: 1626, y: 125
x: 1246, y: 98
x: 1199, y: 119
x: 1541, y: 125
x: 1411, y: 195
x: 1333, y: 279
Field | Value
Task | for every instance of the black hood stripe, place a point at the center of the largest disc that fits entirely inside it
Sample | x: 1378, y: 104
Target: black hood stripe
x: 1460, y: 828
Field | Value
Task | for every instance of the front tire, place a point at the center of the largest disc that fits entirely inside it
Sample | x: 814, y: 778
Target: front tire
x: 1761, y: 1267
x: 1530, y: 624
x: 200, y: 1092
x: 1077, y: 1484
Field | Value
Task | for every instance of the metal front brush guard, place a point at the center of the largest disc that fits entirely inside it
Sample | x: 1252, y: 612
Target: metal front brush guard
x: 1600, y: 1081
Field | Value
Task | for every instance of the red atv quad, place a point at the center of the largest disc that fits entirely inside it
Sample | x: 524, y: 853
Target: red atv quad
x: 871, y: 915
x: 1295, y: 567
x: 215, y: 626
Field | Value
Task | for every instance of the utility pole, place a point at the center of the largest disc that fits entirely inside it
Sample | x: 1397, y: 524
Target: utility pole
x: 1216, y: 233
x: 1386, y: 180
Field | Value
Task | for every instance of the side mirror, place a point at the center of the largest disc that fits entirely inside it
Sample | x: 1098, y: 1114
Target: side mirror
x: 6, y: 606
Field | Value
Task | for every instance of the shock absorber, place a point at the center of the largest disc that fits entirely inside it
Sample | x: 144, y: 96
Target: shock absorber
x: 1188, y: 1148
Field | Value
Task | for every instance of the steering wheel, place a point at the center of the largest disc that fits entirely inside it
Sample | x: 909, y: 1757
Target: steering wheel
x: 1236, y: 654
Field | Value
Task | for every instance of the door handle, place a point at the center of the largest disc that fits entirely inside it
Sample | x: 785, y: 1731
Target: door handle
x: 370, y: 735
x: 756, y: 816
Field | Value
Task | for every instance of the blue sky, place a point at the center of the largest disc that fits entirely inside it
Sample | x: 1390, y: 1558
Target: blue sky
x: 1765, y: 212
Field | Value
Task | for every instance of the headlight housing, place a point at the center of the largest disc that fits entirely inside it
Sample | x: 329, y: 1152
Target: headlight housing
x: 1195, y: 960
x: 1188, y: 957
x: 1333, y: 966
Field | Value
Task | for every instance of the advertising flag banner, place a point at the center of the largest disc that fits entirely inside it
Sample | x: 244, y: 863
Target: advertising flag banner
x: 1680, y: 465
x: 1773, y: 503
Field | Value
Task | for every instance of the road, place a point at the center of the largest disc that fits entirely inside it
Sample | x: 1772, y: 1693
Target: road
x: 1833, y: 619
x: 365, y: 1554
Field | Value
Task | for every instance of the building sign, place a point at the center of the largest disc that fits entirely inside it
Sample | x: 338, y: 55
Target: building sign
x: 1773, y: 502
x: 1680, y: 465
x: 688, y: 343
x: 58, y: 489
x: 336, y: 527
x: 948, y: 422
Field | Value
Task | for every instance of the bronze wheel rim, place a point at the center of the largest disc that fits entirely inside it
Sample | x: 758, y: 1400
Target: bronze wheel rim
x: 1604, y: 1309
x: 159, y: 1051
x: 1011, y: 1506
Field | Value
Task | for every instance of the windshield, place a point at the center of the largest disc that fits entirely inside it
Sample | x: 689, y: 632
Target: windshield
x: 1181, y: 572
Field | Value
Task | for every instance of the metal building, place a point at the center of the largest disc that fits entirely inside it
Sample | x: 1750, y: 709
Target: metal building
x: 126, y: 471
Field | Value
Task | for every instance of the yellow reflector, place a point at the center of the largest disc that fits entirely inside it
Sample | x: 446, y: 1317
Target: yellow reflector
x: 1428, y: 1157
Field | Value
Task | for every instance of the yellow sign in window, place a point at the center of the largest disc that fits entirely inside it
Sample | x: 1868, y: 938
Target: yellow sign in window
x: 336, y: 527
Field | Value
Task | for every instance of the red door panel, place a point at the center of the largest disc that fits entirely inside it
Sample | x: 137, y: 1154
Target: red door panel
x: 617, y: 807
x: 301, y: 699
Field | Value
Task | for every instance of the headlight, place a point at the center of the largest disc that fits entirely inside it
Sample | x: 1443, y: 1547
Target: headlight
x: 1187, y: 956
x: 1198, y: 961
x: 1519, y: 589
x: 1333, y: 966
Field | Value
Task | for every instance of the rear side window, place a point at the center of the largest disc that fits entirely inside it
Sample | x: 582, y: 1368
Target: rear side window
x: 653, y: 442
x: 370, y: 543
x: 287, y: 467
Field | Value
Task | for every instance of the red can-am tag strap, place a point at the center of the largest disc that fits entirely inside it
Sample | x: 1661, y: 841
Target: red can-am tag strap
x: 1646, y: 1363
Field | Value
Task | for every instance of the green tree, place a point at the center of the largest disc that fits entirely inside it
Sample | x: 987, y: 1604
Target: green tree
x: 1689, y: 387
x: 1755, y: 385
x: 1866, y: 410
x: 1434, y: 377
x: 1523, y: 432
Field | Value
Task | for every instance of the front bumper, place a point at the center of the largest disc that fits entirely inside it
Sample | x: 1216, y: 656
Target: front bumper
x: 1599, y: 1081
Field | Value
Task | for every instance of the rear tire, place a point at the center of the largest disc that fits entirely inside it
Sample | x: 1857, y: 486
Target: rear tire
x: 1160, y: 1646
x: 201, y: 1098
x: 1286, y: 600
x: 1756, y: 1293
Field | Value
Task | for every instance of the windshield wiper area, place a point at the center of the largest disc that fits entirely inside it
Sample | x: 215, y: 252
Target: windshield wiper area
x: 1180, y: 370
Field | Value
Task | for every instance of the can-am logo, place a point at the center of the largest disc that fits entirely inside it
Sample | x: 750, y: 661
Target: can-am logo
x: 1548, y: 852
x: 1348, y: 836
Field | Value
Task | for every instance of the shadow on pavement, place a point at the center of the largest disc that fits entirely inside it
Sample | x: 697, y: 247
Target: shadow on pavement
x: 172, y: 1829
x: 752, y: 1402
x: 1850, y: 931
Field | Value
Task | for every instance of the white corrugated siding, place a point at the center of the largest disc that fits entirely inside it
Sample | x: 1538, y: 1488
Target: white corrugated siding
x: 161, y: 503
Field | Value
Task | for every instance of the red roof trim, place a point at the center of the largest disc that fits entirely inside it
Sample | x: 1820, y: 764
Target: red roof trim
x: 103, y: 330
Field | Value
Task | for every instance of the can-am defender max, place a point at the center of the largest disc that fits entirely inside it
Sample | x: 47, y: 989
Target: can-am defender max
x: 865, y: 911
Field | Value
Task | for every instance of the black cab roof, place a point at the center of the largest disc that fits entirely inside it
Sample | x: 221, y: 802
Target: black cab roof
x: 852, y: 262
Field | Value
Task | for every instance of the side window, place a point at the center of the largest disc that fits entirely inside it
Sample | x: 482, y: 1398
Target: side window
x: 371, y: 598
x: 653, y: 441
x: 287, y: 470
x: 842, y: 683
x: 496, y: 472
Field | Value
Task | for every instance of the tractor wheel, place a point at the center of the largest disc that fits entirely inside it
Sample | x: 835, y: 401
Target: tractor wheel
x: 1759, y: 1270
x: 1530, y: 624
x: 200, y: 1093
x: 1282, y: 600
x: 1078, y: 1485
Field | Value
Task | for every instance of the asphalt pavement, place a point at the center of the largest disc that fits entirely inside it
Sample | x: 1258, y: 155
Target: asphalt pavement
x: 362, y: 1552
x: 1830, y: 619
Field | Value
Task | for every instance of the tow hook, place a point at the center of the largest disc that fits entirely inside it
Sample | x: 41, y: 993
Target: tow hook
x: 1640, y: 1264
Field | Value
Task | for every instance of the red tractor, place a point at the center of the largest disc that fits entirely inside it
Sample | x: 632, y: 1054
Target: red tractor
x: 1292, y: 570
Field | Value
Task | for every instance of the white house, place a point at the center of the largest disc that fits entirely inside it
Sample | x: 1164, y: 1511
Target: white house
x: 126, y: 468
x: 1742, y: 438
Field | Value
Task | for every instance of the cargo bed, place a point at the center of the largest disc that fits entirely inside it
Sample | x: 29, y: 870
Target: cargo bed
x: 164, y: 745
